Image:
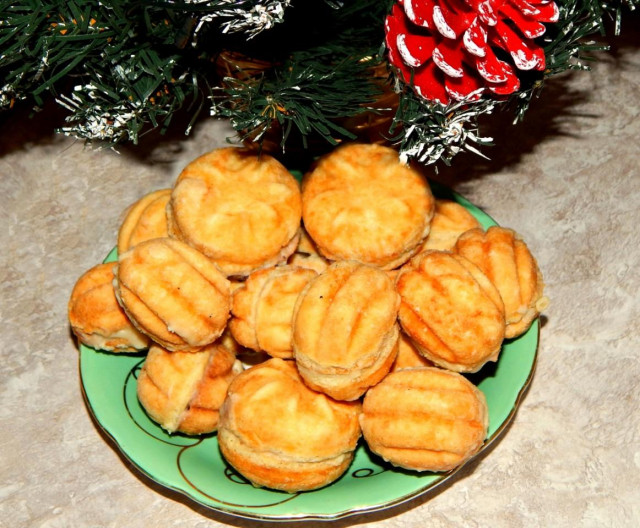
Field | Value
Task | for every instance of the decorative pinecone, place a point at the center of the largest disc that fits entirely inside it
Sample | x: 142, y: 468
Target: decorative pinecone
x: 449, y: 49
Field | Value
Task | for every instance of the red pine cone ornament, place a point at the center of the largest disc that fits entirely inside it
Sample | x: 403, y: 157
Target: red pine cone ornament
x: 451, y: 49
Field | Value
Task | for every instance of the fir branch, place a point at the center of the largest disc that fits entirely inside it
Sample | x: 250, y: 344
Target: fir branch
x: 615, y: 9
x: 568, y: 45
x: 143, y: 90
x: 250, y: 17
x: 126, y: 64
x: 44, y: 44
x: 119, y: 67
x: 430, y: 132
x: 308, y: 96
x: 314, y: 86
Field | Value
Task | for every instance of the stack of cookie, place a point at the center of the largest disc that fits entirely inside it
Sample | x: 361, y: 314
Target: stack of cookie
x: 358, y: 298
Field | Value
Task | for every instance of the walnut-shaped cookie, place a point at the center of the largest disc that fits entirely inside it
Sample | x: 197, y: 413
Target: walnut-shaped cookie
x: 307, y: 255
x: 173, y: 293
x: 345, y: 329
x: 241, y: 210
x: 451, y: 310
x: 280, y: 434
x: 424, y: 419
x: 361, y: 203
x: 262, y: 309
x: 144, y: 220
x: 505, y: 258
x: 449, y: 221
x: 183, y: 391
x: 95, y: 316
x: 408, y: 355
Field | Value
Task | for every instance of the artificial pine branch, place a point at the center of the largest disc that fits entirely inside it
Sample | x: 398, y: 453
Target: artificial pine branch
x: 430, y: 132
x: 309, y: 97
x: 434, y: 133
x: 325, y: 77
x: 250, y: 17
x: 122, y: 67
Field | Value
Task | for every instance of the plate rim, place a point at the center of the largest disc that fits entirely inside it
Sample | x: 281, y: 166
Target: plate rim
x: 443, y: 192
x: 329, y: 516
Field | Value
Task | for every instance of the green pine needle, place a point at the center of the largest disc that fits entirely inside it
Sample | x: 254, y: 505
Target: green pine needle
x: 120, y: 68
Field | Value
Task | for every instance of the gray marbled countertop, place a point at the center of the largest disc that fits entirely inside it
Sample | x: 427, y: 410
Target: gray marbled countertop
x: 566, y: 179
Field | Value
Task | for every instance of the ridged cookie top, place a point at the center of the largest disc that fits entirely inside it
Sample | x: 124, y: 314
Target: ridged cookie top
x: 504, y: 257
x: 145, y: 219
x: 241, y: 210
x: 183, y: 391
x: 451, y: 310
x: 168, y: 381
x: 173, y: 293
x: 262, y: 309
x: 270, y: 409
x: 343, y: 317
x: 361, y: 203
x: 424, y: 418
x: 95, y: 316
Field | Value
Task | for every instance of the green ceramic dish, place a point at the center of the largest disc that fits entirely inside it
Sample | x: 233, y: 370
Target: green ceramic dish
x: 194, y: 466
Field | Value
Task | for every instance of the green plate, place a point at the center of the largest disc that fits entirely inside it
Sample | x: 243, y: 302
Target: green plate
x: 194, y: 466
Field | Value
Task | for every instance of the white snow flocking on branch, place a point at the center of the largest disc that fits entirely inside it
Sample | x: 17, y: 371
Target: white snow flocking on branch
x: 242, y: 16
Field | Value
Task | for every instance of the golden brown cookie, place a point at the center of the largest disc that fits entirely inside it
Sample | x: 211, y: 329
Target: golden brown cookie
x: 240, y: 209
x: 449, y: 221
x: 246, y: 356
x: 361, y: 203
x: 145, y: 219
x: 504, y: 257
x: 345, y: 329
x: 262, y: 310
x: 183, y: 391
x: 408, y: 355
x: 307, y: 255
x: 315, y: 263
x: 173, y: 293
x: 451, y: 311
x: 278, y: 433
x: 95, y: 316
x: 424, y: 419
x: 306, y: 245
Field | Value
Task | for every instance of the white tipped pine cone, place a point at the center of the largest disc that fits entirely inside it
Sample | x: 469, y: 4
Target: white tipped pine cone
x: 450, y: 49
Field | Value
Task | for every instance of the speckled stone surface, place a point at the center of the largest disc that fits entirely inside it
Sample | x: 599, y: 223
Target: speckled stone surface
x: 567, y: 180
